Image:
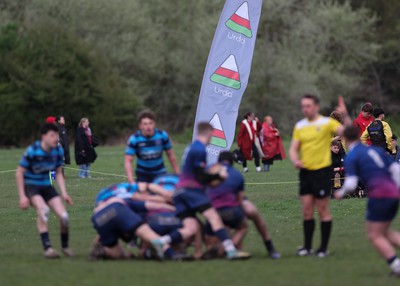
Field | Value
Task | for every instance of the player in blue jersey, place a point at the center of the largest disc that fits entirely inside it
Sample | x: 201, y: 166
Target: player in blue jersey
x: 190, y: 197
x: 34, y: 186
x: 148, y: 145
x: 382, y: 178
x: 117, y: 216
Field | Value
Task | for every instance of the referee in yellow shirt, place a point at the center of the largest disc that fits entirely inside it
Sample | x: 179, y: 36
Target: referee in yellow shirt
x: 310, y: 153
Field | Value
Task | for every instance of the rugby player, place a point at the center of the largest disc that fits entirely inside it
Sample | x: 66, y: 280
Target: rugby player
x: 35, y: 188
x: 148, y: 144
x: 117, y: 216
x: 190, y: 197
x: 310, y: 153
x: 382, y: 177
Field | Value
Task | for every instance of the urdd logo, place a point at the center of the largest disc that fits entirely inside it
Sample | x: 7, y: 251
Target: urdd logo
x: 218, y: 136
x: 228, y: 73
x: 239, y: 21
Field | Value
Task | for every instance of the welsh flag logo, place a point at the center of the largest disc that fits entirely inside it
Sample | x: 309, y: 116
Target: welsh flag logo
x: 227, y: 74
x: 218, y: 136
x: 239, y: 21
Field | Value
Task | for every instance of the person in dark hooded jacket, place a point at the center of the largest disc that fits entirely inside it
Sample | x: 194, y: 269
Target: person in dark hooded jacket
x: 64, y: 141
x: 84, y: 149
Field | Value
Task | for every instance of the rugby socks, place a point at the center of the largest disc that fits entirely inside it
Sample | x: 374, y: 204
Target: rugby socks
x: 64, y: 239
x: 269, y: 245
x: 326, y: 227
x: 309, y: 226
x: 176, y: 237
x: 223, y: 236
x: 165, y: 239
x: 44, y: 236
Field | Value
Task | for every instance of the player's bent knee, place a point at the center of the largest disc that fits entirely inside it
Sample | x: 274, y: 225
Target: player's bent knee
x: 65, y: 219
x: 44, y: 213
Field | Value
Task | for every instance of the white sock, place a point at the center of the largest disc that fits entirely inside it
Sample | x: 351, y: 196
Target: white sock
x: 228, y: 245
x: 258, y: 169
x: 166, y: 239
x: 395, y: 266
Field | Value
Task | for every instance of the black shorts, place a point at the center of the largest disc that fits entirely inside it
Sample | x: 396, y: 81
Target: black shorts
x: 46, y: 192
x: 316, y: 183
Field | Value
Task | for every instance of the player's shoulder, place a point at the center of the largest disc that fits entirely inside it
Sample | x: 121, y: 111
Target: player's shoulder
x: 134, y: 137
x: 33, y: 148
x: 162, y: 133
x: 236, y: 173
x: 301, y: 123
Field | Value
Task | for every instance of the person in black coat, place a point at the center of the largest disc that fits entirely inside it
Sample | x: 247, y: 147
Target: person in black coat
x: 84, y: 149
x: 64, y: 141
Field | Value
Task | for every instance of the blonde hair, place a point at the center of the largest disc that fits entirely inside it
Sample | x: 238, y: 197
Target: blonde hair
x: 83, y: 119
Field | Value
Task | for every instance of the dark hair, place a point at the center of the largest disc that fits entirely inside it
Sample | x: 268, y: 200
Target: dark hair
x: 337, y: 116
x: 204, y: 127
x: 378, y: 111
x: 225, y: 156
x: 313, y: 97
x: 247, y: 114
x: 146, y: 114
x: 367, y: 107
x: 351, y: 133
x: 48, y: 127
x: 336, y: 143
x: 394, y: 137
x: 58, y: 117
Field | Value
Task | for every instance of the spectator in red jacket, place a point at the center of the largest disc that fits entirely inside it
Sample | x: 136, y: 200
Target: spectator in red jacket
x: 272, y: 144
x: 364, y: 119
x: 249, y: 142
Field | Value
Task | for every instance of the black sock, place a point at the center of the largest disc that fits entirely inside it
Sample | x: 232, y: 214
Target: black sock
x: 326, y: 227
x: 390, y: 260
x: 44, y: 236
x: 309, y: 226
x: 176, y: 237
x: 269, y: 245
x: 64, y: 239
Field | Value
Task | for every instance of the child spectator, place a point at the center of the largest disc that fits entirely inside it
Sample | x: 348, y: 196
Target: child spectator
x: 337, y: 165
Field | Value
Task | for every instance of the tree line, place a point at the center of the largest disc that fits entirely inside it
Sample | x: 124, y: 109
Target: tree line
x: 108, y: 59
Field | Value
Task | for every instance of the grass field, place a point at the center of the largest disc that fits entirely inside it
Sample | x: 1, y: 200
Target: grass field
x: 352, y: 260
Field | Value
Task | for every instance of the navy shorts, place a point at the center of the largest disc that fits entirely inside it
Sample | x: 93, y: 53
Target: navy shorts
x: 146, y: 177
x: 190, y: 201
x: 164, y: 223
x: 46, y: 192
x: 382, y: 210
x: 116, y: 221
x: 232, y: 217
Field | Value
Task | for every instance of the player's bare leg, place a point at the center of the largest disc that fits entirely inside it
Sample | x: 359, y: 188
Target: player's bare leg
x: 240, y: 234
x: 219, y: 230
x: 253, y: 214
x: 394, y: 237
x: 43, y: 212
x: 58, y: 207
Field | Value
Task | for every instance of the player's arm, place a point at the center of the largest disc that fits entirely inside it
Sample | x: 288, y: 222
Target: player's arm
x: 388, y: 135
x: 23, y: 199
x: 158, y: 205
x: 173, y: 161
x: 128, y: 168
x: 342, y: 109
x: 146, y: 197
x: 240, y: 197
x: 63, y: 188
x: 294, y: 154
x: 350, y: 184
x: 157, y: 189
x: 203, y: 177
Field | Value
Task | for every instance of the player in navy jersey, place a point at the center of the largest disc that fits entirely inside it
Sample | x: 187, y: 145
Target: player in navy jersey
x: 190, y: 197
x: 148, y: 145
x: 34, y: 186
x: 382, y: 177
x: 117, y: 215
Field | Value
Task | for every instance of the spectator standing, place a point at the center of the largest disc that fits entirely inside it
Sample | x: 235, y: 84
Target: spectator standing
x: 249, y: 142
x: 84, y: 149
x: 272, y: 144
x: 379, y: 132
x: 64, y: 141
x: 364, y: 119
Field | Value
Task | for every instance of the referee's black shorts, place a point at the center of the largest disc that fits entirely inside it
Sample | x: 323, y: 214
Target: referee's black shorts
x: 316, y: 182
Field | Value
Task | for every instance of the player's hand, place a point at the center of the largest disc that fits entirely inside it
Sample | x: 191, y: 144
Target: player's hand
x: 341, y: 107
x: 68, y: 199
x: 339, y: 194
x: 24, y: 203
x: 298, y: 164
x: 223, y: 173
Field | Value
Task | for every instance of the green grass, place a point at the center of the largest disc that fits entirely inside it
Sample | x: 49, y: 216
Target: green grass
x: 353, y: 261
